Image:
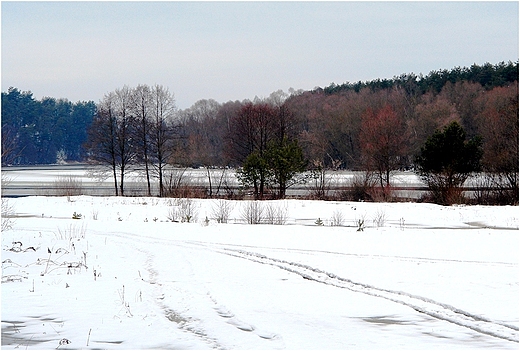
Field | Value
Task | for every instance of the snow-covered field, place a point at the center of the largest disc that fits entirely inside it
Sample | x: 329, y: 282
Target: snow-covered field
x: 419, y: 276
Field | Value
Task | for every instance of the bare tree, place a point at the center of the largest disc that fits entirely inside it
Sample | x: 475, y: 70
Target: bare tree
x: 142, y: 99
x: 162, y: 130
x: 133, y: 125
x: 204, y: 136
x: 277, y: 98
x: 125, y: 123
x: 253, y: 129
x: 101, y: 140
x: 110, y: 141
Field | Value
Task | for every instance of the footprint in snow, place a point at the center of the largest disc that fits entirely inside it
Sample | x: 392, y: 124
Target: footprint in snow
x: 222, y: 312
x: 266, y: 335
x: 241, y: 325
x: 225, y: 313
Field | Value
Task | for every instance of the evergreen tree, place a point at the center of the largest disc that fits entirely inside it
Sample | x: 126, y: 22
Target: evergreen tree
x: 280, y: 167
x: 446, y: 161
x: 254, y: 173
x: 285, y: 161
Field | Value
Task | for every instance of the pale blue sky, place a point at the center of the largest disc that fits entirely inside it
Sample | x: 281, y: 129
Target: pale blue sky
x: 239, y: 50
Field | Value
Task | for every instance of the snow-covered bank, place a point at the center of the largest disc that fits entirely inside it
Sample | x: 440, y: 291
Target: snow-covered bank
x: 419, y: 276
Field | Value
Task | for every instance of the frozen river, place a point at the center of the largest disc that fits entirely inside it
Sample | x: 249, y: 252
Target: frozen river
x: 48, y: 179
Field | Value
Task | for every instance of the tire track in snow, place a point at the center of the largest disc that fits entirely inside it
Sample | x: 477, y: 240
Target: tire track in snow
x: 377, y: 256
x: 420, y: 304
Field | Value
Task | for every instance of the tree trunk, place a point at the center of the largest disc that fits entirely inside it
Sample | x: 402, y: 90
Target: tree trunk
x: 121, y: 184
x: 115, y: 178
x: 148, y: 177
x: 161, y: 185
x: 209, y: 179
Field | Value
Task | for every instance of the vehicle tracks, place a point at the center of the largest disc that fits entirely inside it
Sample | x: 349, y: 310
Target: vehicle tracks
x: 419, y: 303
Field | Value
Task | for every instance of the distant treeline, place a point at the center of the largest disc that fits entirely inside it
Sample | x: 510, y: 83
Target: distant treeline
x: 330, y: 124
x: 488, y: 76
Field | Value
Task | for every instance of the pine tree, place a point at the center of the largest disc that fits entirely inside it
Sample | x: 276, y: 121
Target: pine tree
x: 446, y: 161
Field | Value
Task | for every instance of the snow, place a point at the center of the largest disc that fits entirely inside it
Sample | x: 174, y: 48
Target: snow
x: 419, y: 276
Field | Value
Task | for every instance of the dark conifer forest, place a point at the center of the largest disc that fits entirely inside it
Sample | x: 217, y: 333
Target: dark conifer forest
x: 43, y: 131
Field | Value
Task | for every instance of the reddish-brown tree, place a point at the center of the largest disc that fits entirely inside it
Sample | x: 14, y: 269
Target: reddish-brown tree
x: 383, y: 142
x: 498, y: 125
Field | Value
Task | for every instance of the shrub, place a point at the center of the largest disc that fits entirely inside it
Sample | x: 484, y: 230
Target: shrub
x: 360, y: 188
x: 7, y: 213
x: 379, y: 218
x: 252, y: 212
x: 68, y: 186
x: 172, y: 214
x: 337, y: 219
x: 276, y: 214
x: 178, y: 184
x: 182, y: 210
x: 221, y: 210
x: 495, y: 189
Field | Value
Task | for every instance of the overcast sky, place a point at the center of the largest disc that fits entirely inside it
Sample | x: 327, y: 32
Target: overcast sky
x: 239, y: 50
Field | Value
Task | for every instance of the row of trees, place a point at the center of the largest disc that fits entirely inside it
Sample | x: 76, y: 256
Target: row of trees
x: 140, y: 126
x: 134, y: 126
x: 381, y: 130
x: 374, y: 127
x: 43, y: 131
